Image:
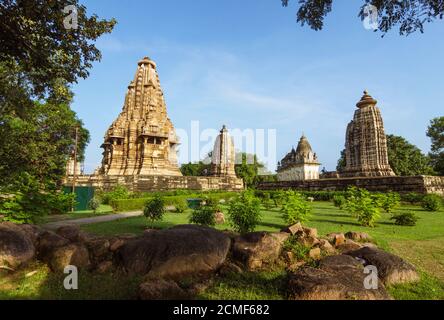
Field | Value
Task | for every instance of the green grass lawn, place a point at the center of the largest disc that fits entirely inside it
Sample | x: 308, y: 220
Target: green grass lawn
x: 102, y: 210
x: 421, y: 245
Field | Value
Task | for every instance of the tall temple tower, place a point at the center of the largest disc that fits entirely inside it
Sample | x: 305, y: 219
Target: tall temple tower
x: 223, y: 157
x: 299, y: 164
x: 366, y: 143
x: 142, y: 140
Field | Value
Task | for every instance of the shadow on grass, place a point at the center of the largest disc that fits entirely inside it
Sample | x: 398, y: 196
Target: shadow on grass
x: 332, y: 215
x: 264, y: 285
x: 348, y: 223
x: 271, y: 225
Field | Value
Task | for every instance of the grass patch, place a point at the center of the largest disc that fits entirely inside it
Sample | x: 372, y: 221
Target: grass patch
x: 36, y: 281
x: 264, y: 285
x: 428, y: 288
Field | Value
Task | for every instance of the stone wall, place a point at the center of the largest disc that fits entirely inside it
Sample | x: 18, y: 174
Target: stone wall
x: 418, y: 184
x: 160, y: 183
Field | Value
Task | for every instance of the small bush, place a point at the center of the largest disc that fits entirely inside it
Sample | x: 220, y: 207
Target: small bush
x: 94, y: 204
x: 412, y: 197
x: 244, y: 212
x: 267, y: 202
x: 339, y: 201
x: 181, y: 205
x: 387, y: 201
x: 204, y: 215
x: 296, y: 209
x: 293, y: 245
x: 118, y: 192
x: 405, y: 219
x: 361, y: 205
x: 155, y: 209
x: 432, y: 202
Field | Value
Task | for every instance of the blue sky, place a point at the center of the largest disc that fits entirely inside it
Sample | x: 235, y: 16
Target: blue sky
x: 248, y: 64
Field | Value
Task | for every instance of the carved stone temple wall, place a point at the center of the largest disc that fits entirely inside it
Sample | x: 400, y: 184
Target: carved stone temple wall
x: 299, y: 164
x: 140, y: 146
x: 142, y: 140
x: 223, y: 157
x: 366, y: 143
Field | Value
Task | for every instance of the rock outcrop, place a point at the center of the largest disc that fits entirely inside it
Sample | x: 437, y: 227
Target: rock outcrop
x: 175, y: 252
x: 16, y: 246
x: 339, y: 277
x: 391, y: 269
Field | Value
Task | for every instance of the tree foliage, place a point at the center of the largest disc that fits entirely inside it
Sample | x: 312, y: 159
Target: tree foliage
x: 406, y: 159
x: 248, y: 168
x: 244, y: 212
x: 435, y: 132
x: 39, y: 57
x: 409, y: 15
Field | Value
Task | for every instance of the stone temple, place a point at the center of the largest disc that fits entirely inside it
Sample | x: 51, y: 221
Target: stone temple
x: 366, y: 143
x: 142, y: 140
x: 140, y: 146
x: 223, y: 157
x: 299, y: 164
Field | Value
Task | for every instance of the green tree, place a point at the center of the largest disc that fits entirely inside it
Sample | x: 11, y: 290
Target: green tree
x: 198, y: 169
x: 409, y: 15
x: 248, y: 168
x: 406, y: 159
x: 154, y: 209
x: 39, y: 56
x: 296, y: 208
x: 39, y: 143
x: 244, y: 212
x: 435, y: 132
x: 341, y: 162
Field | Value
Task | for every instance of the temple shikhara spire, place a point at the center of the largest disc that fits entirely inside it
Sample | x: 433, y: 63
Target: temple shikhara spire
x: 366, y: 143
x: 142, y: 140
x: 223, y: 157
x: 299, y: 164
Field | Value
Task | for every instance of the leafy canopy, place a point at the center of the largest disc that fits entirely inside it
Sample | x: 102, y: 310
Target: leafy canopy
x: 409, y: 15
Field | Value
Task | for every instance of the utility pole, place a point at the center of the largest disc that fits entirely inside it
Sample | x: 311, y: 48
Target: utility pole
x: 74, y: 176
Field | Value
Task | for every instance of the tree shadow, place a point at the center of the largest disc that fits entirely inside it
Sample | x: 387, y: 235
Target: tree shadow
x: 349, y: 223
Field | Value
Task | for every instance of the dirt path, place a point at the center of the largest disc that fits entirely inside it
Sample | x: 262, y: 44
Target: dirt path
x: 102, y: 218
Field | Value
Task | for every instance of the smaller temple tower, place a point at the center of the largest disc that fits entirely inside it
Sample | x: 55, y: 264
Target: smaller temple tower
x: 366, y: 143
x: 299, y: 164
x: 223, y: 157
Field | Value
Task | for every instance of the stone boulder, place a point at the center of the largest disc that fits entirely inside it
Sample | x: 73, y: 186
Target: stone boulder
x: 339, y: 277
x: 70, y: 232
x: 348, y: 245
x: 16, y: 246
x: 179, y: 251
x: 72, y: 254
x: 255, y: 249
x: 99, y: 249
x: 326, y: 247
x: 336, y: 239
x: 358, y: 236
x: 391, y: 269
x: 32, y: 231
x: 161, y: 289
x: 294, y: 229
x: 48, y: 241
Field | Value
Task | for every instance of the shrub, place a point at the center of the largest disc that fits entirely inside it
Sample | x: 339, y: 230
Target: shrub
x: 405, y: 219
x: 181, y: 205
x: 94, y: 204
x: 155, y: 209
x: 118, y: 192
x: 204, y: 215
x: 412, y: 197
x: 431, y: 202
x: 296, y: 209
x: 293, y: 245
x: 388, y: 201
x: 244, y: 212
x: 339, y: 201
x: 278, y: 197
x: 361, y: 205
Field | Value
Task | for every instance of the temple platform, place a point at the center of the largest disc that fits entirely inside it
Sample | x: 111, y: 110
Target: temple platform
x: 150, y: 183
x: 417, y: 184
